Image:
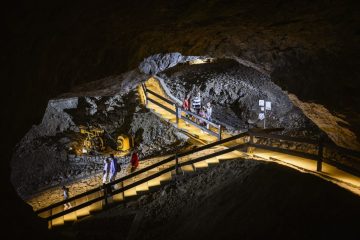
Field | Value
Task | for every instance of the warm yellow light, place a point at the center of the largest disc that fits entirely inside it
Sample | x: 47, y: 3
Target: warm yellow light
x: 84, y: 150
x: 201, y: 61
x: 142, y: 95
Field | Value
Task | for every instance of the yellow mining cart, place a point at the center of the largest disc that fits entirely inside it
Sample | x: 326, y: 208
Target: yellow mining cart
x: 93, y: 140
x: 124, y: 142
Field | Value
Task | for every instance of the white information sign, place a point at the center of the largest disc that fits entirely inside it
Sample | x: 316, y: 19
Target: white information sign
x: 261, y: 116
x: 262, y: 109
x: 261, y: 103
x: 268, y: 106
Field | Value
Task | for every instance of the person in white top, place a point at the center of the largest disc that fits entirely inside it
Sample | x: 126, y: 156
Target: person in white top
x: 196, y: 103
x: 66, y: 196
x: 106, y: 170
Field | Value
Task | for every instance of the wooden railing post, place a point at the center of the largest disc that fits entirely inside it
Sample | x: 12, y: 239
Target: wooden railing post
x: 177, y: 114
x: 320, y: 155
x: 145, y: 93
x: 176, y: 164
x: 251, y: 141
x: 219, y: 136
x: 105, y: 195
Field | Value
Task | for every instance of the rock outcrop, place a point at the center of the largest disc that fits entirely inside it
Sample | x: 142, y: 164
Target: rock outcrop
x: 160, y: 62
x: 51, y: 152
x: 234, y: 90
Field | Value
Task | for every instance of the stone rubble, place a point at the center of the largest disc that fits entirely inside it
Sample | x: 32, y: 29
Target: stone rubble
x: 234, y: 91
x: 46, y: 156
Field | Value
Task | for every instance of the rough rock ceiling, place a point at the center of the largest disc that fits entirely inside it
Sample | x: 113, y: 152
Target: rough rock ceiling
x: 308, y: 48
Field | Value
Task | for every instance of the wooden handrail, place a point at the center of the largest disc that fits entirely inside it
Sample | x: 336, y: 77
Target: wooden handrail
x: 188, y: 112
x: 309, y: 141
x: 285, y: 138
x: 162, y: 106
x: 286, y: 151
x: 159, y: 96
x: 123, y: 189
x: 230, y: 149
x: 172, y: 158
x: 141, y: 171
x: 200, y: 118
x: 185, y: 118
x: 201, y: 127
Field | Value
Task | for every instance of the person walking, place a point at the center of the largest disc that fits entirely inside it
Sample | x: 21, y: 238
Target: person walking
x: 106, y: 170
x: 196, y: 103
x: 202, y: 114
x: 186, y: 107
x: 67, y: 205
x: 186, y: 104
x: 208, y: 113
x: 113, y: 167
x: 134, y: 160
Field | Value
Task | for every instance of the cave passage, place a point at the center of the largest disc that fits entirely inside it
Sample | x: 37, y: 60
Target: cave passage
x: 153, y: 95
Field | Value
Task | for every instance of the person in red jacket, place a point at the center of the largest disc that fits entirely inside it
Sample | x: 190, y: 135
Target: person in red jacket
x: 186, y: 106
x: 134, y: 160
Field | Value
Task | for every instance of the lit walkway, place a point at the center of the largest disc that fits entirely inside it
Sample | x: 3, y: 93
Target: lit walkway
x: 55, y: 194
x: 329, y: 172
x: 154, y: 86
x: 43, y: 199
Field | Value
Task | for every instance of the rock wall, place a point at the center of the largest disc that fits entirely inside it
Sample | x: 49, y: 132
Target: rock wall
x: 337, y: 128
x: 160, y: 62
x: 234, y: 90
x: 156, y: 137
x: 45, y: 157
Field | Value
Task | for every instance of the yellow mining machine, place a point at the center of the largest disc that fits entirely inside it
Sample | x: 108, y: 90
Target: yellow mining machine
x: 124, y: 142
x: 93, y: 140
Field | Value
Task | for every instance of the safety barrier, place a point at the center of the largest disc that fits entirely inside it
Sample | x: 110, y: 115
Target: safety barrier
x: 103, y: 189
x: 318, y: 144
x: 178, y: 113
x: 248, y: 142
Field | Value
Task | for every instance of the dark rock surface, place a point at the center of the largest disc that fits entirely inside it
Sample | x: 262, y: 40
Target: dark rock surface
x: 234, y: 90
x: 157, y: 137
x: 46, y: 156
x: 160, y: 62
x: 244, y: 199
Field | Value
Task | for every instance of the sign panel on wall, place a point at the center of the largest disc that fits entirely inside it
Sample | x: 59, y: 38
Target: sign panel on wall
x: 261, y: 116
x: 268, y: 106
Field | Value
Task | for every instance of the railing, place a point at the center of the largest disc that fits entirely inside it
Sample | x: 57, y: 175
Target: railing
x: 176, y: 166
x: 249, y: 142
x: 317, y: 144
x: 177, y: 111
